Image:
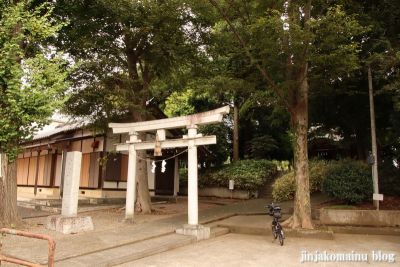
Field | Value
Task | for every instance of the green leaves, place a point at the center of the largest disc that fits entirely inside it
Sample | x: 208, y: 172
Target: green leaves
x: 337, y: 43
x: 284, y: 187
x: 346, y: 180
x: 350, y: 181
x: 247, y: 174
x: 32, y: 75
x: 130, y: 52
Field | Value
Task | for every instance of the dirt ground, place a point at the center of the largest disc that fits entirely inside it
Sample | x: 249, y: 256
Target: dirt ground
x: 388, y: 203
x: 114, y: 217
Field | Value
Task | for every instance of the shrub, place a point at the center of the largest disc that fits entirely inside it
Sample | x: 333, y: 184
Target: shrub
x: 389, y: 179
x: 247, y: 174
x: 349, y: 180
x: 284, y: 187
x: 183, y: 177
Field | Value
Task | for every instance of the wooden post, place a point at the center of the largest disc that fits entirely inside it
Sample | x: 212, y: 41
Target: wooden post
x: 176, y: 176
x: 37, y: 173
x: 235, y: 132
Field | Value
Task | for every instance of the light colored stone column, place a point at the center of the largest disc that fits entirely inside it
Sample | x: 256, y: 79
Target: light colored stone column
x: 193, y: 228
x: 131, y: 183
x: 192, y: 178
x: 71, y: 184
x: 68, y: 222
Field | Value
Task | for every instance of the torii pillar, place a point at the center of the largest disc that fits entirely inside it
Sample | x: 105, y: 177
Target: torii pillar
x: 131, y: 182
x: 193, y: 203
x: 191, y: 141
x: 193, y: 227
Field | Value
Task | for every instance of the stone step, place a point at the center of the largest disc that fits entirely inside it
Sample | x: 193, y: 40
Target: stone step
x: 266, y: 231
x: 33, y: 203
x: 137, y: 250
x: 266, y: 190
x: 218, y: 231
x: 365, y: 230
x: 57, y: 209
x: 130, y: 252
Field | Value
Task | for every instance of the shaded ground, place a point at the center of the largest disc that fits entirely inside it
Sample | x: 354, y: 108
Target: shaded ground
x: 112, y: 218
x: 388, y: 203
x: 249, y: 250
x: 110, y: 230
x: 26, y: 213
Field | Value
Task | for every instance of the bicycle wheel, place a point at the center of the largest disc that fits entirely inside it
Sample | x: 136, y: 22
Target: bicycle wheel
x: 274, y: 234
x: 281, y: 236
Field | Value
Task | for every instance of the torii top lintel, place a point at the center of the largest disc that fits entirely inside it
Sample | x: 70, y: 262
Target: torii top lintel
x: 209, y: 117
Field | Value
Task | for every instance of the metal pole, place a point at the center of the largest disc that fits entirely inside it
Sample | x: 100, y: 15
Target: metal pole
x: 51, y: 249
x: 373, y: 137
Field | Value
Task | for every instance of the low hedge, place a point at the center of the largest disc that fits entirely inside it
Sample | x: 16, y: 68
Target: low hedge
x: 349, y: 180
x: 247, y: 174
x: 284, y: 188
x: 346, y: 180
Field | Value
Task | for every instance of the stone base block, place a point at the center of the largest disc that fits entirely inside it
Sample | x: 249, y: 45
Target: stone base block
x: 199, y: 231
x: 69, y: 225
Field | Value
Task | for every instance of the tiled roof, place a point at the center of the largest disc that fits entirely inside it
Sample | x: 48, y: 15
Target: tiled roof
x: 57, y: 128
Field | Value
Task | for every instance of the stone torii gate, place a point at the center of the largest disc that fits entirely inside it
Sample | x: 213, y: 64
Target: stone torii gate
x: 191, y: 140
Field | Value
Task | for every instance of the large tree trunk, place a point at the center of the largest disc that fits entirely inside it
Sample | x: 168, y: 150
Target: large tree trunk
x: 302, y: 204
x: 8, y: 193
x: 143, y: 199
x: 235, y: 132
x: 141, y: 91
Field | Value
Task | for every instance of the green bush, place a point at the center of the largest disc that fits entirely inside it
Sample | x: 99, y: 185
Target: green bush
x: 247, y: 174
x: 183, y: 177
x: 389, y: 179
x: 349, y: 180
x: 284, y: 187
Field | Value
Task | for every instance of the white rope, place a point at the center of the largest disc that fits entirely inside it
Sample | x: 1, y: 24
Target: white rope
x: 174, y: 156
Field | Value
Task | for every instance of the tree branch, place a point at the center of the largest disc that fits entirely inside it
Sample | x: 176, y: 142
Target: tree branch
x: 253, y: 61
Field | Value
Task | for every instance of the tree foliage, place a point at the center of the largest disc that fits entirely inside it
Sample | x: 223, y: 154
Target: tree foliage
x: 124, y: 50
x: 32, y: 75
x: 289, y: 43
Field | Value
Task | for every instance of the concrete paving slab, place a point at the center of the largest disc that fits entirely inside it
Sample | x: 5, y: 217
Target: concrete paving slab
x: 236, y: 250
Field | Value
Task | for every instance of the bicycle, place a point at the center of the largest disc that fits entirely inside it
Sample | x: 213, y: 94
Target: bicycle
x: 277, y: 231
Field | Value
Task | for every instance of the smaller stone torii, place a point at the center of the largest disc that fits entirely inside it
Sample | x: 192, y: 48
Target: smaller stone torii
x: 191, y: 140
